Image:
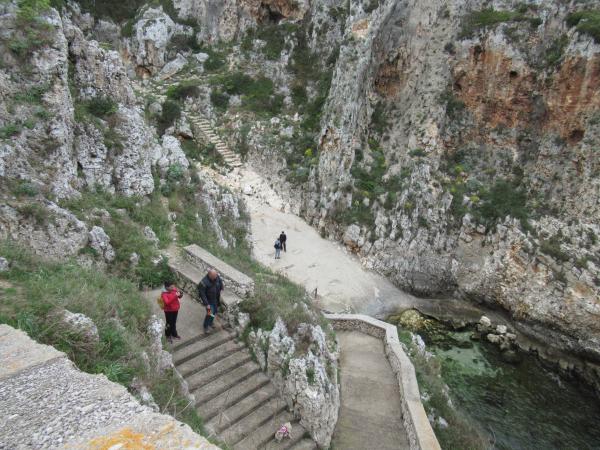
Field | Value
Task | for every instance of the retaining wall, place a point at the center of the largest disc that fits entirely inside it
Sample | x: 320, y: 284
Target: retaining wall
x: 420, y: 433
x: 236, y: 281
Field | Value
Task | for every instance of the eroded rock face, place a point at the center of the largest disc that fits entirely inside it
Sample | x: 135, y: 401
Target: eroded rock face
x: 100, y: 242
x: 307, y: 379
x: 81, y: 325
x: 151, y: 36
x: 47, y: 229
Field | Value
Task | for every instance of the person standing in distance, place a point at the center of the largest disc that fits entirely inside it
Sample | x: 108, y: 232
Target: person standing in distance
x: 170, y: 297
x: 209, y: 291
x: 283, y: 240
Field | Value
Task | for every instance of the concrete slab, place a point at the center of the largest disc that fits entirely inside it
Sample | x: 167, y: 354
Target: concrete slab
x: 18, y: 354
x: 46, y: 402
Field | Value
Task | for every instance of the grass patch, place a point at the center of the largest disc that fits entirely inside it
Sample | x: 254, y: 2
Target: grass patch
x: 43, y: 289
x: 489, y: 17
x: 129, y: 215
x: 586, y: 22
x: 258, y: 94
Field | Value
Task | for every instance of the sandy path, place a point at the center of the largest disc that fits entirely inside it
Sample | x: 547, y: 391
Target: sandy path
x: 342, y: 284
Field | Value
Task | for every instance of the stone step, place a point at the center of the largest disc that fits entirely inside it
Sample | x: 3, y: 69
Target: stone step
x: 237, y: 402
x: 206, y: 359
x: 258, y: 425
x: 194, y: 349
x: 262, y: 435
x: 204, y: 393
x: 304, y: 444
x: 298, y: 435
x: 221, y: 368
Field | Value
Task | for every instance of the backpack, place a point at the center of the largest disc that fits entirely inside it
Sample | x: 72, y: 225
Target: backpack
x: 277, y: 244
x: 160, y: 301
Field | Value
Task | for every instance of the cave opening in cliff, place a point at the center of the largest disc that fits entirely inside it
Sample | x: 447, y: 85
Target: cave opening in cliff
x: 269, y: 16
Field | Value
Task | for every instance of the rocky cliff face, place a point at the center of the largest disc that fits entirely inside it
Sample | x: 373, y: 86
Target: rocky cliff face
x: 457, y: 157
x: 454, y: 151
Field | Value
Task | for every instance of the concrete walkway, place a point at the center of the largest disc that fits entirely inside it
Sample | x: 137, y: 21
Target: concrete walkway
x: 370, y: 414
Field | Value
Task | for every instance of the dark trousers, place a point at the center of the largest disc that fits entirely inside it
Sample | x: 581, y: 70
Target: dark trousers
x: 210, y: 318
x: 284, y: 247
x: 171, y: 327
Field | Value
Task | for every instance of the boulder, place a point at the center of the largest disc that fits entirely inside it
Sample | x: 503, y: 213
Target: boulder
x: 152, y: 34
x: 172, y: 67
x: 99, y: 241
x: 352, y: 238
x: 150, y: 235
x: 81, y: 325
x: 4, y: 265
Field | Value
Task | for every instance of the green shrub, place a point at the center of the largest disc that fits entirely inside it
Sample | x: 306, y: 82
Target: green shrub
x: 219, y: 99
x: 101, y: 106
x: 26, y: 189
x: 171, y: 111
x: 554, y: 53
x: 586, y: 22
x: 490, y: 17
x: 214, y: 62
x: 417, y: 153
x: 503, y: 199
x: 116, y: 10
x: 9, y: 130
x: 32, y: 33
x: 181, y: 91
x: 551, y: 247
x: 32, y: 94
x: 310, y: 375
x: 454, y: 106
x: 36, y: 212
x: 371, y: 6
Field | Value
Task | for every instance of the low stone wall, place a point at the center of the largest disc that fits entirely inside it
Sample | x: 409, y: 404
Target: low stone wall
x: 236, y: 281
x: 420, y: 433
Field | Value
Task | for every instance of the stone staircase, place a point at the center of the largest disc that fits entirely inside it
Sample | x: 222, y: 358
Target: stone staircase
x: 200, y: 125
x: 238, y: 402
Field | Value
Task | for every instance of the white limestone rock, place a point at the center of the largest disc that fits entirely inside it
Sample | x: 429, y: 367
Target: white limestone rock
x: 173, y: 67
x: 100, y: 242
x: 81, y: 325
x: 152, y: 33
x: 4, y: 264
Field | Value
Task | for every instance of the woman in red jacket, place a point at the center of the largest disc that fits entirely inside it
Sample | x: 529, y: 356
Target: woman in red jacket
x: 170, y: 297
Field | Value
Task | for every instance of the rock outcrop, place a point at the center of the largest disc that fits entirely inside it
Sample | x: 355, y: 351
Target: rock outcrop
x: 304, y: 369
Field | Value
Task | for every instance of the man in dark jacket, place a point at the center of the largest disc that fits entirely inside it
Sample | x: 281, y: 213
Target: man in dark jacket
x: 283, y: 239
x: 209, y: 290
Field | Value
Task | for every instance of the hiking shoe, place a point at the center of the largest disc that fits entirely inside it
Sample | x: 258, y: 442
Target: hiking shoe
x: 170, y: 339
x: 207, y: 331
x: 177, y: 337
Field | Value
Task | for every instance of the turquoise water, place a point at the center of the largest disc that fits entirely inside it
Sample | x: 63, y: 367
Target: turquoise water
x: 521, y: 406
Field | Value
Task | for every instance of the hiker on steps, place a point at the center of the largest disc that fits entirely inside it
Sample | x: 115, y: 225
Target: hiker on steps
x: 209, y: 291
x: 277, y: 249
x: 283, y: 240
x: 170, y: 297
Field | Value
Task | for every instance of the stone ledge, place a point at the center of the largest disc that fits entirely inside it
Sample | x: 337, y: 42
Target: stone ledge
x: 238, y: 282
x: 49, y: 403
x: 420, y: 433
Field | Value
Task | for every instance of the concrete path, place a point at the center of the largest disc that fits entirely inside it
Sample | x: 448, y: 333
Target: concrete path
x: 342, y: 284
x: 370, y: 414
x: 48, y: 403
